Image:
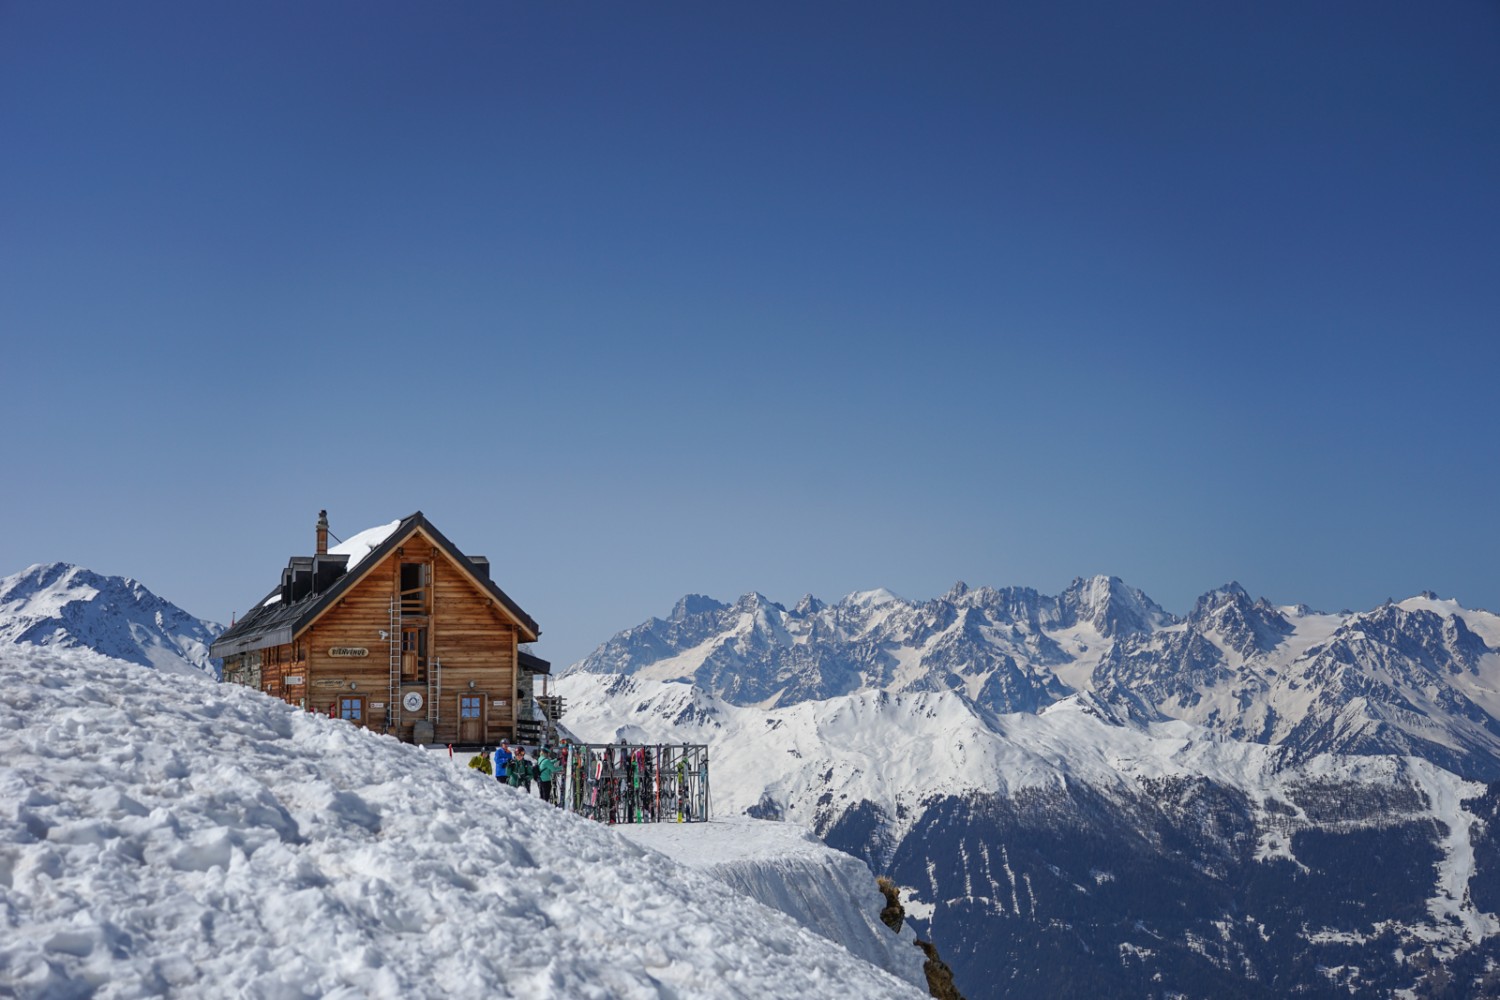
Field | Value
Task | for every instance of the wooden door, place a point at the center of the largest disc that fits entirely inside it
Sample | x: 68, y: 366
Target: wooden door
x: 413, y: 654
x: 352, y: 708
x: 471, y: 718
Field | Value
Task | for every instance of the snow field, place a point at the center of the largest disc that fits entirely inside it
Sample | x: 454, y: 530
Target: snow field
x: 165, y: 836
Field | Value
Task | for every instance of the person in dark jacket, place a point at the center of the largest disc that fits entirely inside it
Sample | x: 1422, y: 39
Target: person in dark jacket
x: 520, y: 770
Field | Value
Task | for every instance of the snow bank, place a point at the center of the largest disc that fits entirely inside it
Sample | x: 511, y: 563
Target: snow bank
x: 788, y: 869
x: 168, y: 836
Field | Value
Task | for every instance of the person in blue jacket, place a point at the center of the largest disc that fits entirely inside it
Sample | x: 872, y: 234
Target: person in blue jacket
x: 502, y: 761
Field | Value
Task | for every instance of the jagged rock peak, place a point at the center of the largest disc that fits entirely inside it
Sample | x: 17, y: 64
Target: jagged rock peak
x: 809, y: 605
x: 756, y: 601
x: 1111, y: 606
x: 1241, y: 624
x: 1230, y: 593
x: 695, y: 604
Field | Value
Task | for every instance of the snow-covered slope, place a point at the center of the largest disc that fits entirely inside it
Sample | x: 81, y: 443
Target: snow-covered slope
x: 61, y: 605
x: 788, y: 869
x: 223, y: 843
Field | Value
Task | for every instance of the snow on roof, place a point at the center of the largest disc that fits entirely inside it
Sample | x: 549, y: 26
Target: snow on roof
x: 362, y: 544
x: 214, y: 840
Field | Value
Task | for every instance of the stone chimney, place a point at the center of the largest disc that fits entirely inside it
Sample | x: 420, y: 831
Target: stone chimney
x: 322, y: 533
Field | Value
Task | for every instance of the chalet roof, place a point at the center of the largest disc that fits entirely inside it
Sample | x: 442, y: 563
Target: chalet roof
x: 274, y: 621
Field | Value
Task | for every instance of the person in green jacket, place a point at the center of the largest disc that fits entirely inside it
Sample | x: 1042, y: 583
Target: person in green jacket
x: 521, y: 770
x: 546, y: 768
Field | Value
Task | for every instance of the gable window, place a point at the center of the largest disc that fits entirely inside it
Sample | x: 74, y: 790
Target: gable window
x: 414, y: 588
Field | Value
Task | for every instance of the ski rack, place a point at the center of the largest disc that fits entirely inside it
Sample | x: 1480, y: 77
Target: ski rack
x: 635, y: 782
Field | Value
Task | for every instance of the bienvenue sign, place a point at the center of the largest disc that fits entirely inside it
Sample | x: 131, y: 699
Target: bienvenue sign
x: 348, y: 651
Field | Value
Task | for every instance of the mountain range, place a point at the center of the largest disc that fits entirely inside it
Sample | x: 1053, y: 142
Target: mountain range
x: 1086, y: 792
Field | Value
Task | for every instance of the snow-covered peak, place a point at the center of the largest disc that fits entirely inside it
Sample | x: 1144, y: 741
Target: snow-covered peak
x: 757, y: 603
x: 808, y: 605
x: 1230, y: 593
x: 58, y: 604
x: 44, y: 588
x: 870, y: 598
x: 1111, y: 606
x: 1429, y: 601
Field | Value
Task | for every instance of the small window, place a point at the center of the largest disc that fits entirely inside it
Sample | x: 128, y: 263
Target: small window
x: 351, y: 709
x: 468, y: 707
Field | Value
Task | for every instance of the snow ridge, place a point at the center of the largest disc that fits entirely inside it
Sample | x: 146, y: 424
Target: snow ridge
x: 57, y: 604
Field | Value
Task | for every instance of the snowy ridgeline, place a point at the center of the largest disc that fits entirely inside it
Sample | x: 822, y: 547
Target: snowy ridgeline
x: 55, y: 604
x: 166, y: 836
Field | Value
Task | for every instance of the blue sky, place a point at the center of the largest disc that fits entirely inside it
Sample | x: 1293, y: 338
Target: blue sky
x: 642, y: 300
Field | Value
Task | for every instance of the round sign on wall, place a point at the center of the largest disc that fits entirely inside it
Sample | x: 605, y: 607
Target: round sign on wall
x: 412, y: 701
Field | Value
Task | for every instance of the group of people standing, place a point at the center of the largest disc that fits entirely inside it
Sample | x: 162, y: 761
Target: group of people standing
x: 513, y: 766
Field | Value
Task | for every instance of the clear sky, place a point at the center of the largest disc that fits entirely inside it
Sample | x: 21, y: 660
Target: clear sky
x: 647, y: 299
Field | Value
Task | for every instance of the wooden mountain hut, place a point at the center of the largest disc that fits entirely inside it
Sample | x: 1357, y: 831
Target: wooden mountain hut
x: 398, y: 631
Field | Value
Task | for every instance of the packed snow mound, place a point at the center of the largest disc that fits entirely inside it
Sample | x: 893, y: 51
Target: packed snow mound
x: 788, y: 869
x: 163, y: 835
x: 57, y: 604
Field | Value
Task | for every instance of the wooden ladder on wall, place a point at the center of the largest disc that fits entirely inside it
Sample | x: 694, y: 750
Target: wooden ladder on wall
x: 393, y: 638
